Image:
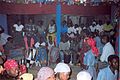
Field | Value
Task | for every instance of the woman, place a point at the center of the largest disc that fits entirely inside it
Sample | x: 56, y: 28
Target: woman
x: 45, y: 73
x: 62, y: 71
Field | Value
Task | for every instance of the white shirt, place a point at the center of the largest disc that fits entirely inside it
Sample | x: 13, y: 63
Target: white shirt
x: 92, y: 28
x: 18, y: 27
x: 51, y: 29
x: 3, y: 38
x: 99, y: 27
x: 107, y: 51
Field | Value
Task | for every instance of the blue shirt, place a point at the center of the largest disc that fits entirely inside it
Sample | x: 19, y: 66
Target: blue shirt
x: 64, y: 29
x: 106, y: 74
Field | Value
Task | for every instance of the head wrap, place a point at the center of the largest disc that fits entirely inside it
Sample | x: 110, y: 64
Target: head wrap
x: 9, y: 64
x: 44, y: 73
x: 26, y: 76
x: 91, y: 42
x: 23, y: 69
x: 62, y: 67
x: 84, y: 75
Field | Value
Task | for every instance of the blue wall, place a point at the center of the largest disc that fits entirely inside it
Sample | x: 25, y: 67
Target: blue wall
x: 3, y: 22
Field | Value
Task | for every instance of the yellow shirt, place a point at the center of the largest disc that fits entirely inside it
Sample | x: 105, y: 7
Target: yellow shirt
x: 107, y: 27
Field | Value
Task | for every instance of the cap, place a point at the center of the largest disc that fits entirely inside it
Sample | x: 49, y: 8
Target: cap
x: 84, y: 75
x: 62, y: 67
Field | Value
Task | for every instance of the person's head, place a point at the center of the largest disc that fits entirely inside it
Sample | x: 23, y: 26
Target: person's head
x: 105, y: 39
x: 10, y: 39
x: 62, y: 71
x: 50, y: 38
x: 45, y: 73
x: 30, y: 20
x: 84, y: 75
x: 11, y: 67
x: 26, y: 76
x: 113, y: 61
x: 40, y: 22
x: 52, y: 22
x: 94, y: 23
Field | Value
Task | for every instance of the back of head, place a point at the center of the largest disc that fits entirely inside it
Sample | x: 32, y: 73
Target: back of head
x: 84, y: 75
x: 62, y: 67
x: 44, y: 73
x: 26, y: 76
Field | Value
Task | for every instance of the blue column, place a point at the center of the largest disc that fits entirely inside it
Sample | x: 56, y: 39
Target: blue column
x: 58, y: 23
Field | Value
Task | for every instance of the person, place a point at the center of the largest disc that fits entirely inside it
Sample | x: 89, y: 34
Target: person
x: 111, y: 71
x: 3, y: 36
x: 11, y: 70
x: 18, y: 33
x: 62, y: 71
x: 84, y: 75
x: 45, y: 73
x: 107, y: 49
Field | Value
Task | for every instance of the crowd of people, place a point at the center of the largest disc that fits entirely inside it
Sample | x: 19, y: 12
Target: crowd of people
x: 89, y: 47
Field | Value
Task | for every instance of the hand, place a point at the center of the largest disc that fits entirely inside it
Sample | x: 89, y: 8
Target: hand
x: 1, y: 69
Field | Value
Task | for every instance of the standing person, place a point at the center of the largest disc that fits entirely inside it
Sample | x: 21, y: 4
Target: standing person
x: 110, y: 72
x: 107, y: 49
x: 18, y: 33
x: 62, y: 71
x: 84, y: 75
x: 45, y: 73
x: 52, y: 29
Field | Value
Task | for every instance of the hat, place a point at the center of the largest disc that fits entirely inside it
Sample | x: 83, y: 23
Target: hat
x: 26, y: 76
x: 84, y: 75
x: 44, y: 73
x: 9, y: 64
x: 62, y: 67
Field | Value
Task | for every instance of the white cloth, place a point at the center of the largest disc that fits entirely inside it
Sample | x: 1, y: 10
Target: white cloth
x: 107, y: 74
x: 92, y: 28
x: 50, y: 45
x: 3, y: 38
x: 51, y: 29
x: 99, y: 27
x: 18, y: 27
x: 37, y: 45
x: 71, y: 29
x: 62, y: 67
x: 107, y: 51
x: 84, y: 75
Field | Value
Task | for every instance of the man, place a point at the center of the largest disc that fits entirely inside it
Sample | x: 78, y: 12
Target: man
x: 12, y: 71
x: 62, y: 71
x: 107, y: 49
x: 110, y: 72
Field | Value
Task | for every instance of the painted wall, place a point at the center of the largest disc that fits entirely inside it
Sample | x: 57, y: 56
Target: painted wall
x: 3, y: 22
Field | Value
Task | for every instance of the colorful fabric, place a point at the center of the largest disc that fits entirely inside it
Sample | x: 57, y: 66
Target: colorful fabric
x: 44, y: 73
x: 9, y: 64
x: 23, y: 69
x: 92, y: 44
